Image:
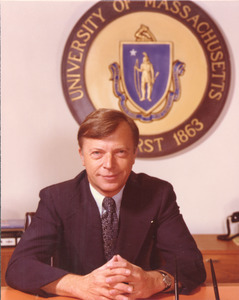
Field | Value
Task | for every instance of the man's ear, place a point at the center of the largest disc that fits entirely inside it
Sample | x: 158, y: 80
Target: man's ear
x: 82, y: 156
x: 135, y: 154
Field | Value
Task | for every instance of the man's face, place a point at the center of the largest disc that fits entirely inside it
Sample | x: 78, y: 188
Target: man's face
x: 109, y: 161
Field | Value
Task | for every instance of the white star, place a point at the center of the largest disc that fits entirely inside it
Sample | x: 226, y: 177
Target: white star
x: 133, y: 52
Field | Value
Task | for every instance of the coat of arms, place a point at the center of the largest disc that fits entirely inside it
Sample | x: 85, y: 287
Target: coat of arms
x: 169, y: 69
x: 147, y: 77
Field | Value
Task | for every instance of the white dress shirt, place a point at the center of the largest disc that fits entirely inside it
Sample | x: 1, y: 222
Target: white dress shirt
x: 99, y: 199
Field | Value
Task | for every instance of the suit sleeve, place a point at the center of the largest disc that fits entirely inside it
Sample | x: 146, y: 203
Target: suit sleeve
x: 176, y: 244
x: 29, y: 268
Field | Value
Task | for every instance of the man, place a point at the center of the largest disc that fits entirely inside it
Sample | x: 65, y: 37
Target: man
x: 151, y: 234
x: 147, y: 78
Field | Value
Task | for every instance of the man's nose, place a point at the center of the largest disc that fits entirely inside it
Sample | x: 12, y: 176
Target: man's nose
x: 108, y: 161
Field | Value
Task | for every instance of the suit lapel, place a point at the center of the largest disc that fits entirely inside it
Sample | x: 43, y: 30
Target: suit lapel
x: 87, y: 222
x: 94, y: 242
x: 135, y: 222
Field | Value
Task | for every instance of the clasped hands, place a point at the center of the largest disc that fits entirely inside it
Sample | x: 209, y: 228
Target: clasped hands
x: 120, y: 280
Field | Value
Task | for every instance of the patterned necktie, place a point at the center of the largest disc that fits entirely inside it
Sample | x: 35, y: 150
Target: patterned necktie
x: 109, y: 227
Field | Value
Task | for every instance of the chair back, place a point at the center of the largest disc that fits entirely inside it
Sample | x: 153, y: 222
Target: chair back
x: 28, y: 219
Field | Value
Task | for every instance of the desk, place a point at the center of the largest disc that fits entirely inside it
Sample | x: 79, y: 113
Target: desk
x: 6, y: 253
x: 226, y: 292
x: 224, y: 254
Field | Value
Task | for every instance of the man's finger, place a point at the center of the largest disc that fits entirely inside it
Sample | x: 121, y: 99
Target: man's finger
x: 116, y: 279
x: 121, y: 288
x: 116, y: 264
x: 120, y: 271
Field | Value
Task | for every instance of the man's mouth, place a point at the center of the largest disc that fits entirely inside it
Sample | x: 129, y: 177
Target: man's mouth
x: 110, y: 177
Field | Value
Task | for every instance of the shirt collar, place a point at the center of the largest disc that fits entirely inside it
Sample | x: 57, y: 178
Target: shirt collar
x: 99, y: 199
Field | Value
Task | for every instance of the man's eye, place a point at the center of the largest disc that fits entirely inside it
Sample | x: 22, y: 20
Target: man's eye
x: 96, y: 154
x: 122, y: 153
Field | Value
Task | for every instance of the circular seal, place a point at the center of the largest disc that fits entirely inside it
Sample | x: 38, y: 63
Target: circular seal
x: 163, y: 63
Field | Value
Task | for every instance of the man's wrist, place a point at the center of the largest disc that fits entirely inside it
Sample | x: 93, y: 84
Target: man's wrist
x: 64, y: 286
x: 167, y: 281
x: 157, y: 283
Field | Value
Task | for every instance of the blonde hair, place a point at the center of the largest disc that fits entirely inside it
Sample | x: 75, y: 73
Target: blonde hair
x: 103, y: 122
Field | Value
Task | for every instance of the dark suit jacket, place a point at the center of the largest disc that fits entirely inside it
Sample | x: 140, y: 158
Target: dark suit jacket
x: 152, y: 234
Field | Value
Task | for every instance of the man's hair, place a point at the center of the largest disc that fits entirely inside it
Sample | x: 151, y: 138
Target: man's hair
x: 103, y: 122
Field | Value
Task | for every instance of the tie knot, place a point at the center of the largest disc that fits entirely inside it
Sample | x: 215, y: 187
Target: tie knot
x: 109, y: 204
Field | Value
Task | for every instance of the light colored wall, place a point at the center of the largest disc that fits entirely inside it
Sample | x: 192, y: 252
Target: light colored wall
x: 38, y: 133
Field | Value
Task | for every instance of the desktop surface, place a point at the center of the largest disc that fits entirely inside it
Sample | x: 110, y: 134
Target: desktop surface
x: 226, y: 292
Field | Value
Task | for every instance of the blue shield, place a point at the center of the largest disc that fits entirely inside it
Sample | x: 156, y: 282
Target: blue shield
x: 146, y: 73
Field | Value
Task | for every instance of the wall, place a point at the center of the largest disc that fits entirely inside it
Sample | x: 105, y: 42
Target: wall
x: 38, y: 133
